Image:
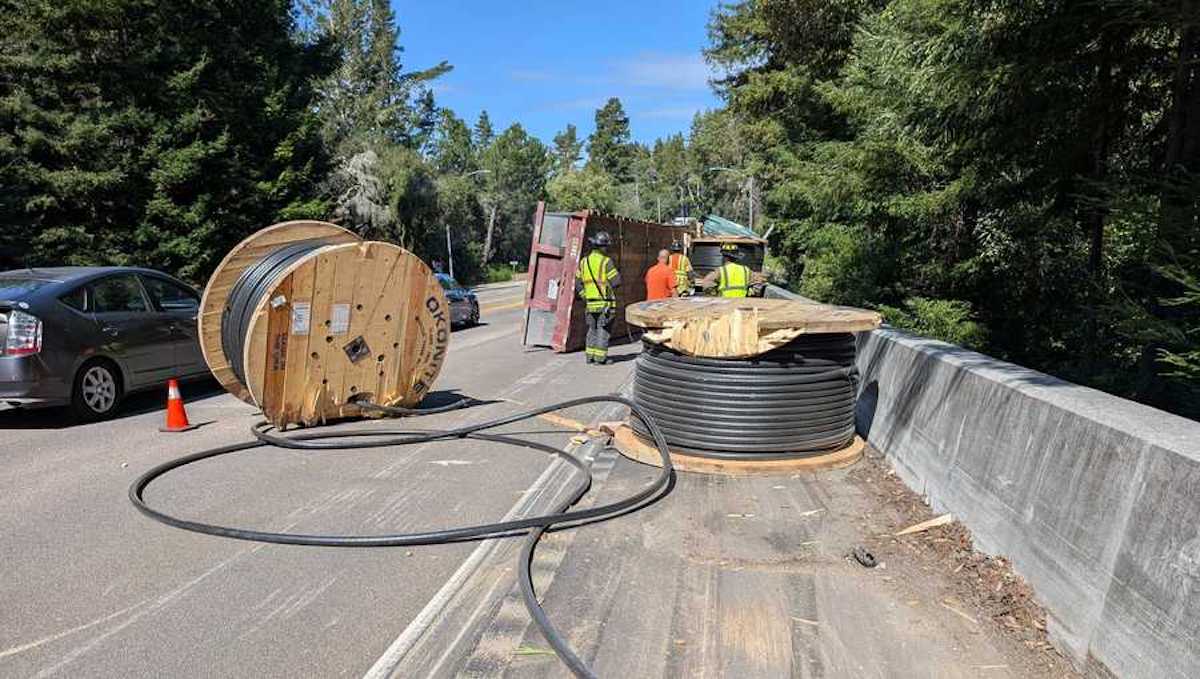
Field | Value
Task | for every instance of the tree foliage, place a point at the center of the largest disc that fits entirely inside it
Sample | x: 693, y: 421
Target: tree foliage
x: 1003, y: 174
x: 610, y: 147
x: 157, y: 134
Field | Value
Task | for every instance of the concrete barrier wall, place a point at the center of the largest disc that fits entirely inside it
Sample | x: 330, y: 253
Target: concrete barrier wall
x: 1094, y: 499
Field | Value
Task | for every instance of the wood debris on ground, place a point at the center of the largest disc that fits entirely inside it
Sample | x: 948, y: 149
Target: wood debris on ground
x: 984, y: 588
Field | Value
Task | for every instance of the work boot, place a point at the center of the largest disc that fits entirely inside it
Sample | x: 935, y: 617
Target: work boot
x: 603, y: 361
x: 590, y: 360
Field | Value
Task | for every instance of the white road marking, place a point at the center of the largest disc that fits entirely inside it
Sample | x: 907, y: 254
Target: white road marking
x: 436, y: 606
x: 433, y: 609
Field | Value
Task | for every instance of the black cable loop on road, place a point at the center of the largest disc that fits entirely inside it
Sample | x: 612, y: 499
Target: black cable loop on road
x: 794, y: 401
x: 536, y: 526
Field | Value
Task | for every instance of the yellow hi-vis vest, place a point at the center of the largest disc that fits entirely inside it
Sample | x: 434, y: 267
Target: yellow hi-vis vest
x: 681, y: 265
x: 596, y: 270
x: 733, y: 280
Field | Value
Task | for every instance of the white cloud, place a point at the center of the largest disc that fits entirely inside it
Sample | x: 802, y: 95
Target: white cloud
x: 669, y: 71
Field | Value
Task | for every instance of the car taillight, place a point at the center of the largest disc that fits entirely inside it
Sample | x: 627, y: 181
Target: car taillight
x: 24, y: 334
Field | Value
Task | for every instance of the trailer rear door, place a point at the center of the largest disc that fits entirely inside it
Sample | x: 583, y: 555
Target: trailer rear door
x: 552, y: 262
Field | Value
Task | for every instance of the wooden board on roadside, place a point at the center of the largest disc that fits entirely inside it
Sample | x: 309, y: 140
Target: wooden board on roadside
x: 721, y: 327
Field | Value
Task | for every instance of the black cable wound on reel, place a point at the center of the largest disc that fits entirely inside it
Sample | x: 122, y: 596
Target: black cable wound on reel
x: 251, y: 287
x: 794, y: 401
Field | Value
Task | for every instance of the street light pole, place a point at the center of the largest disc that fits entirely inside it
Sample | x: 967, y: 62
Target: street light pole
x: 449, y: 250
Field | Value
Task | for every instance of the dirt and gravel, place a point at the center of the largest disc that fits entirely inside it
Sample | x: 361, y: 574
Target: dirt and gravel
x: 979, y: 588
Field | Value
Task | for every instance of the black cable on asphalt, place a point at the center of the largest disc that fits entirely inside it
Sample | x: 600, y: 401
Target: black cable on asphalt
x: 536, y: 525
x: 794, y: 401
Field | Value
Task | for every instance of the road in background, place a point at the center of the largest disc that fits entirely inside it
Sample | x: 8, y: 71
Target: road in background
x: 92, y: 588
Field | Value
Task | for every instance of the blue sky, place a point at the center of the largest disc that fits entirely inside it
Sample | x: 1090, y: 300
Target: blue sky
x: 545, y: 64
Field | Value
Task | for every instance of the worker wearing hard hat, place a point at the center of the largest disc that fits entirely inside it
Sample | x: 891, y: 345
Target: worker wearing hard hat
x: 732, y: 279
x: 682, y: 266
x: 595, y: 281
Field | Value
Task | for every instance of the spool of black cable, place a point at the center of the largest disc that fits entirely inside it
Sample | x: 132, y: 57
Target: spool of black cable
x: 795, y: 401
x: 308, y: 322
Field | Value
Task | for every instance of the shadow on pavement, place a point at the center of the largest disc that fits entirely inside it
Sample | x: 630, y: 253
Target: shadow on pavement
x: 138, y: 403
x: 463, y: 328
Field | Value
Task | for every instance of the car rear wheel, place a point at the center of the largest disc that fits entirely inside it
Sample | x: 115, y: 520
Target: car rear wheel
x: 97, y: 391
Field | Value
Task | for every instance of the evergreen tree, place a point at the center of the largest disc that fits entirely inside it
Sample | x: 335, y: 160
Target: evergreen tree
x: 483, y: 134
x: 452, y: 150
x: 154, y: 134
x: 369, y: 99
x: 609, y: 147
x: 568, y: 150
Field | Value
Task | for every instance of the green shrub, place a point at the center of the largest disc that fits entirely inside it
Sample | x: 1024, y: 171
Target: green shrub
x: 949, y: 320
x: 840, y: 266
x: 499, y: 273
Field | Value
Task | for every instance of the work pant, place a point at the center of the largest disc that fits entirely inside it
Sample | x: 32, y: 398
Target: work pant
x: 599, y: 323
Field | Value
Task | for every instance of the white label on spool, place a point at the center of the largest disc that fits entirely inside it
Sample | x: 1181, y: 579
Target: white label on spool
x: 552, y: 289
x: 301, y: 315
x: 339, y: 319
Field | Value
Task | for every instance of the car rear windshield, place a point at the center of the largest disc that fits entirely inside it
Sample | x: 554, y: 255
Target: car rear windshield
x: 16, y: 288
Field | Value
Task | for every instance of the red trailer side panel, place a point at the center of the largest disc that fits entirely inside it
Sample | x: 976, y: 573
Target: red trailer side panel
x: 553, y: 315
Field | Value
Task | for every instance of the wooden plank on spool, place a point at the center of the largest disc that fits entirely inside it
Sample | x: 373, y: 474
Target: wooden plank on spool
x: 374, y: 291
x: 236, y: 261
x: 723, y: 327
x: 300, y: 334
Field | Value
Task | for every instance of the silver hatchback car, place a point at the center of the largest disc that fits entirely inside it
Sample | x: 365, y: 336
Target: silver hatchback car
x: 86, y: 336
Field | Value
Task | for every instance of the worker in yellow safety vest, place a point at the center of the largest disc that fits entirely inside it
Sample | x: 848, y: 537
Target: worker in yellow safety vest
x: 732, y: 279
x: 682, y: 266
x: 596, y: 280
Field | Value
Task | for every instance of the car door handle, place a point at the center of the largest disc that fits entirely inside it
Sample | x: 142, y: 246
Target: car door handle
x: 110, y: 330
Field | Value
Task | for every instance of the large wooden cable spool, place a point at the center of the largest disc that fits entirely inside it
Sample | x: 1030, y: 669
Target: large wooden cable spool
x: 747, y: 385
x: 330, y: 319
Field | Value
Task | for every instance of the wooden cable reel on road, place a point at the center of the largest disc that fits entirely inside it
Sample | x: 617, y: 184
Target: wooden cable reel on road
x: 747, y: 386
x: 323, y: 318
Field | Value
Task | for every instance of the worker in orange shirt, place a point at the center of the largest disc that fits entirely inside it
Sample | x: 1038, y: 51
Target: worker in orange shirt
x: 660, y: 278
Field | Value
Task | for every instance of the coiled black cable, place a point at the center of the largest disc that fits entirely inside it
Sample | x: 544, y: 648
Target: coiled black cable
x: 537, y: 525
x: 794, y: 401
x: 255, y: 282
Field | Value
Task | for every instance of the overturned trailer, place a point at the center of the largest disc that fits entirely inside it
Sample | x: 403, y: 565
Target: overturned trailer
x: 553, y: 315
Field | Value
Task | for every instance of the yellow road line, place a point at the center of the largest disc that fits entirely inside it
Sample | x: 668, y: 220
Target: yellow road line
x: 563, y: 421
x: 502, y: 307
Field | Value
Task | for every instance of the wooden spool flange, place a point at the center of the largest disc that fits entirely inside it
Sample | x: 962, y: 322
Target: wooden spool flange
x: 634, y: 447
x: 351, y: 319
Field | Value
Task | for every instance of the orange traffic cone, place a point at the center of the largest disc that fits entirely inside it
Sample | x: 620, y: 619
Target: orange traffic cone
x: 176, y: 416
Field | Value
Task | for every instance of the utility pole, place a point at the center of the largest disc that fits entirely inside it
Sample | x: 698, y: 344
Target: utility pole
x: 449, y: 251
x: 750, y: 198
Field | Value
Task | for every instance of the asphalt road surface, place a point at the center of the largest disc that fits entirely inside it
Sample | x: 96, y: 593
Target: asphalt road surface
x: 725, y: 577
x: 91, y: 588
